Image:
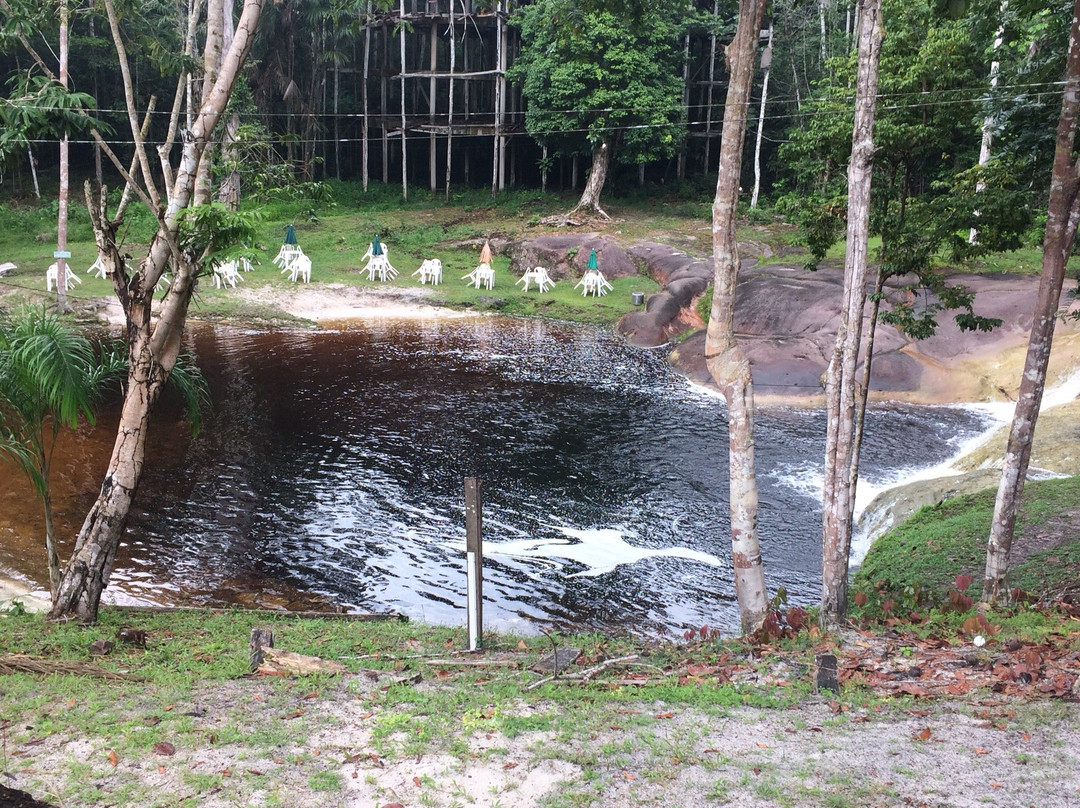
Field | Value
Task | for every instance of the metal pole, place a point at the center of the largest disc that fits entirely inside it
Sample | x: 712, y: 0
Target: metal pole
x: 474, y: 560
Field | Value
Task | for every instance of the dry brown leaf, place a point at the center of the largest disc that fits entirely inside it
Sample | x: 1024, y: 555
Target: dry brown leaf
x: 164, y: 748
x: 113, y: 757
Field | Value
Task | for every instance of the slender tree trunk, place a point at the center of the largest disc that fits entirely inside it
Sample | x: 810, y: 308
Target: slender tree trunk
x: 229, y: 192
x: 766, y: 65
x: 204, y: 180
x: 990, y: 120
x: 450, y: 102
x: 864, y: 386
x: 152, y: 346
x: 841, y: 379
x: 726, y: 361
x: 1063, y: 214
x: 33, y: 171
x: 590, y: 197
x: 404, y: 124
x: 365, y: 126
x: 62, y: 197
x: 52, y: 557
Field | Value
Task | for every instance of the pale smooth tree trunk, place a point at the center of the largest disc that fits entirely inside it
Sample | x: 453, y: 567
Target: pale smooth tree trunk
x: 204, y: 179
x: 229, y: 192
x: 1063, y: 214
x: 767, y: 64
x: 153, y: 346
x: 62, y: 200
x: 990, y: 120
x: 590, y: 197
x: 841, y: 380
x: 726, y: 361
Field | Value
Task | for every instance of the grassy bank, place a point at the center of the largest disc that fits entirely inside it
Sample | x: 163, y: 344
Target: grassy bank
x: 917, y: 562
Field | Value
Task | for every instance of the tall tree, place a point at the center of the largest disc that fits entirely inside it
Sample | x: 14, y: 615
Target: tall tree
x: 153, y: 345
x: 603, y: 80
x: 726, y: 361
x: 1063, y: 214
x: 841, y: 382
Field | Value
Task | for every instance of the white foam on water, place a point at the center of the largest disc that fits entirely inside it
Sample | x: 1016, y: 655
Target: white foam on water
x: 600, y: 550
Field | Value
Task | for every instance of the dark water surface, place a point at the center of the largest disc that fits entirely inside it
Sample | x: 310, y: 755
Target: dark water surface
x: 335, y: 462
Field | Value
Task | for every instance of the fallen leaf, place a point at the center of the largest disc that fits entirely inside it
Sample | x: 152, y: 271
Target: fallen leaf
x: 113, y: 757
x: 924, y: 735
x: 314, y: 695
x: 979, y: 751
x: 629, y: 776
x: 509, y: 766
x: 664, y: 715
x: 416, y: 781
x: 522, y: 646
x: 164, y: 748
x: 996, y: 785
x: 764, y: 746
x: 161, y: 769
x: 290, y: 716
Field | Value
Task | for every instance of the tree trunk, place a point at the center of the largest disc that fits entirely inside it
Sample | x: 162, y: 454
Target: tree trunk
x: 767, y: 63
x: 152, y: 346
x: 725, y: 359
x: 229, y: 192
x: 1063, y: 216
x: 590, y: 197
x: 991, y: 119
x: 204, y: 181
x: 841, y: 379
x: 62, y: 197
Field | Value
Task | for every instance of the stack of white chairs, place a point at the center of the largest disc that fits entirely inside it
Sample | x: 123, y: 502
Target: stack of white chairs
x: 594, y: 283
x: 299, y: 269
x: 539, y: 276
x: 52, y: 278
x: 228, y: 274
x: 483, y: 275
x: 430, y: 270
x: 379, y: 265
x: 286, y: 255
x: 7, y: 267
x: 296, y: 264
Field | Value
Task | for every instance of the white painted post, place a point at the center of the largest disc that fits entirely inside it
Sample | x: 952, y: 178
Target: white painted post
x: 474, y: 561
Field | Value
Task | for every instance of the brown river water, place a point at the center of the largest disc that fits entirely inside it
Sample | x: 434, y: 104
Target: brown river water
x: 331, y: 469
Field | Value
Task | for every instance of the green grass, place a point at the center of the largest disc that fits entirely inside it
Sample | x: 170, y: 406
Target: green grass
x: 935, y: 545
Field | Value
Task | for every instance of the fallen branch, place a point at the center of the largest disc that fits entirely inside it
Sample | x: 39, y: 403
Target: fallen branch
x: 20, y: 663
x: 587, y: 674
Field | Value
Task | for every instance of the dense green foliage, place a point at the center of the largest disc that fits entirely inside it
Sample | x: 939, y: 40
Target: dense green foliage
x: 595, y: 76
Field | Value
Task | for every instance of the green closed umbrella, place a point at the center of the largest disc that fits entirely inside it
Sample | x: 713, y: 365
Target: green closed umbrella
x: 376, y: 247
x: 290, y: 235
x: 592, y: 260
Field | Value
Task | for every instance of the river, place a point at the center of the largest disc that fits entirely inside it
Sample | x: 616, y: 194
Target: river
x: 334, y: 461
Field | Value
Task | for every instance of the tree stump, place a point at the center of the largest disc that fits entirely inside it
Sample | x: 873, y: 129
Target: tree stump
x: 261, y: 638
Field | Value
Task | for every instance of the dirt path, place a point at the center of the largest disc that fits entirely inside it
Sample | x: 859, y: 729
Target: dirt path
x: 259, y: 743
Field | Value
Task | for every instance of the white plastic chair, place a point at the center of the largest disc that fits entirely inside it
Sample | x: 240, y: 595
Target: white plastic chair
x: 593, y: 282
x: 7, y: 267
x: 226, y: 274
x: 539, y: 276
x: 300, y: 269
x: 430, y: 270
x: 52, y: 276
x: 97, y: 268
x: 483, y: 275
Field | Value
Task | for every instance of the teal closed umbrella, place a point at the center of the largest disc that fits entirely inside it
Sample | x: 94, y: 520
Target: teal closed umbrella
x: 376, y: 247
x: 290, y: 235
x: 592, y: 260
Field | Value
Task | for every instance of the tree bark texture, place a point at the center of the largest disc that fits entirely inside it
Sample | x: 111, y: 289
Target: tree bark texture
x: 590, y: 197
x: 152, y: 347
x: 1063, y: 215
x: 726, y: 361
x: 841, y: 380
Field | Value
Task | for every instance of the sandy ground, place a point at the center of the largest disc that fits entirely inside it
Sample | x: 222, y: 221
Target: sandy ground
x: 230, y: 750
